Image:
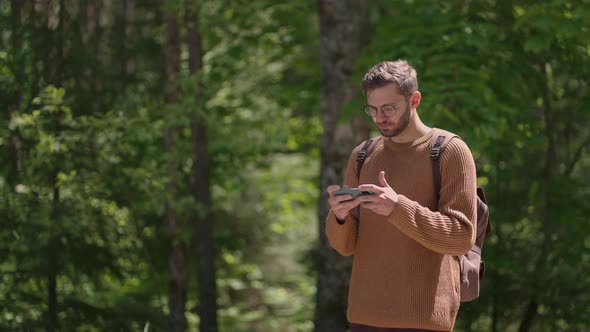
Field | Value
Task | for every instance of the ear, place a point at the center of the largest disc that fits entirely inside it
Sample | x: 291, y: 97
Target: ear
x: 415, y: 99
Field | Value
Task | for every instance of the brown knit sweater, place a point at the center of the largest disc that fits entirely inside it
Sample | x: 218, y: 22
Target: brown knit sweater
x: 405, y: 274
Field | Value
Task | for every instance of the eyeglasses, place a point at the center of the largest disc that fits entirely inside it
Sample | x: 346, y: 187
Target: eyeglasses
x: 387, y: 110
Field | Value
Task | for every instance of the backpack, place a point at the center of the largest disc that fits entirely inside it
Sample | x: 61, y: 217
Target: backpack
x: 472, y: 267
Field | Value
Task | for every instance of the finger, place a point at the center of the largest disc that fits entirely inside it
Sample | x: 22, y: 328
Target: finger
x: 342, y: 198
x: 367, y: 198
x: 349, y: 205
x: 370, y: 187
x: 371, y: 205
x: 332, y: 189
x: 382, y: 180
x: 368, y: 205
x: 336, y: 201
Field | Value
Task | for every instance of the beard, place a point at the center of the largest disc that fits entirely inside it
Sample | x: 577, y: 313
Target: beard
x: 399, y: 126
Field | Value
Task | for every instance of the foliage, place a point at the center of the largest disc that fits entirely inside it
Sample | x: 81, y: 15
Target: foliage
x: 84, y: 186
x: 83, y: 170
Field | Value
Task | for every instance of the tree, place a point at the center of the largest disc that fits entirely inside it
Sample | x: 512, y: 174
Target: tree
x: 201, y: 186
x: 173, y: 221
x: 71, y: 243
x: 344, y: 31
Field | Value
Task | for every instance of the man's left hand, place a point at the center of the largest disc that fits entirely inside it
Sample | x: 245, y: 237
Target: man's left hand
x: 383, y: 199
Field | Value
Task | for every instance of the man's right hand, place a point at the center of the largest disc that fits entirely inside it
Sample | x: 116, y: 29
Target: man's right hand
x: 341, y: 205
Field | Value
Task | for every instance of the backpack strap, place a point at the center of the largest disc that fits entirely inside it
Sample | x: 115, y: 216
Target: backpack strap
x: 364, y: 153
x: 438, y: 143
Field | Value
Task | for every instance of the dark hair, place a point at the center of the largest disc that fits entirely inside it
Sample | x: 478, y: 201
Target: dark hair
x: 399, y: 72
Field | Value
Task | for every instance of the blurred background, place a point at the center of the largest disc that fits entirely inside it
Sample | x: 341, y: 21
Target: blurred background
x: 163, y: 163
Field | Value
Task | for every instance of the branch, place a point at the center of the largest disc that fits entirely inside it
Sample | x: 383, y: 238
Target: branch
x: 577, y: 156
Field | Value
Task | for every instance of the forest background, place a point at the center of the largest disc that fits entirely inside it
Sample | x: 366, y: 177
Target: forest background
x: 163, y: 164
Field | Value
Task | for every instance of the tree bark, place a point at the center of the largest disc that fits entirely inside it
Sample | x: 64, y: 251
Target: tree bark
x: 53, y: 324
x: 130, y: 65
x: 344, y: 31
x: 495, y: 312
x: 16, y: 39
x: 551, y: 167
x: 54, y: 238
x: 119, y: 40
x: 177, y: 256
x: 19, y: 73
x: 53, y: 261
x: 205, y: 242
x: 529, y: 315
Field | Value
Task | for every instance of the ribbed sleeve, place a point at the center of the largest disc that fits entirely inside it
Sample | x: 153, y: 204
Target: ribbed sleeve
x: 342, y: 236
x: 450, y: 230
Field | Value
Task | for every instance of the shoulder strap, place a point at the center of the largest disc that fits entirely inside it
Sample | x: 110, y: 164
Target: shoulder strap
x: 363, y: 153
x: 438, y: 143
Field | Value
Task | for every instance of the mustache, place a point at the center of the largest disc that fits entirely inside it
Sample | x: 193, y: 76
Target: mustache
x: 385, y: 123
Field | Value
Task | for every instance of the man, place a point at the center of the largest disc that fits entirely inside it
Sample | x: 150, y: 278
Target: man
x: 405, y: 275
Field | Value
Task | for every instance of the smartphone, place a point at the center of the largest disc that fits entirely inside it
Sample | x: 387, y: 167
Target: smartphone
x: 355, y: 192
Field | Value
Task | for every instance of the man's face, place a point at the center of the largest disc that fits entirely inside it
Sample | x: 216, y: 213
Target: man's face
x: 390, y: 126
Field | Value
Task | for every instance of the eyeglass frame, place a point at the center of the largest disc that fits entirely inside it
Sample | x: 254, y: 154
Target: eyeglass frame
x: 368, y: 109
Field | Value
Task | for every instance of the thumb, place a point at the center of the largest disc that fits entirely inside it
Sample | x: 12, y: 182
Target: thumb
x: 382, y: 180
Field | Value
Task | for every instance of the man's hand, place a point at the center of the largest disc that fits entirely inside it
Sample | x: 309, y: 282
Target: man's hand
x: 341, y: 205
x: 383, y: 199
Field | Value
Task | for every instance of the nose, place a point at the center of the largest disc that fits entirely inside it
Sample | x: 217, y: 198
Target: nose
x: 380, y: 117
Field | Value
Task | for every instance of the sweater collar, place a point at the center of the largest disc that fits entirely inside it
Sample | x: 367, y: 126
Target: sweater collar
x: 406, y: 146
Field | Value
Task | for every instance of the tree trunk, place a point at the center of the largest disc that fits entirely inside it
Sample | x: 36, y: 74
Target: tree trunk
x: 201, y: 186
x: 130, y: 65
x: 18, y: 67
x: 119, y: 41
x: 343, y: 34
x: 53, y: 261
x: 54, y: 238
x: 95, y: 14
x: 548, y: 209
x: 177, y: 257
x: 529, y: 315
x: 495, y: 312
x: 53, y: 324
x: 16, y: 39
